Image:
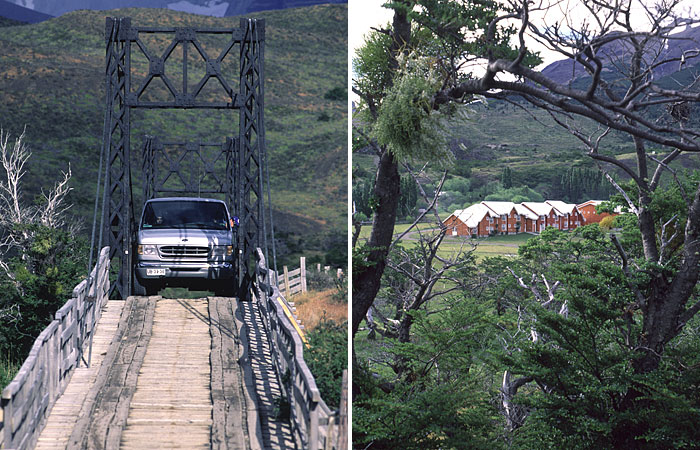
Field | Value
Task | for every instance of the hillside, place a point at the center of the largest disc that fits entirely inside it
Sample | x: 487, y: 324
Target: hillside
x: 216, y: 8
x: 527, y: 141
x: 682, y: 44
x: 52, y: 81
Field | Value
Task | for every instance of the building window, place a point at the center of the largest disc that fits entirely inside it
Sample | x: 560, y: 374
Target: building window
x: 503, y: 227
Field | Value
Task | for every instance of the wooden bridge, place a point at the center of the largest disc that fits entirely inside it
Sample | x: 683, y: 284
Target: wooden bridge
x: 212, y: 372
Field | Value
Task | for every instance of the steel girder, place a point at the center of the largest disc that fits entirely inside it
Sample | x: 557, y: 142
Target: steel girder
x: 179, y: 168
x: 251, y: 145
x: 243, y: 156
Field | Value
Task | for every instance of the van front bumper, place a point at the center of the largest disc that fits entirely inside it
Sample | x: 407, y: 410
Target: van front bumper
x: 165, y: 270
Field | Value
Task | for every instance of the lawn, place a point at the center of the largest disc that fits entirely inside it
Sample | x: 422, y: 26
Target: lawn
x: 506, y: 245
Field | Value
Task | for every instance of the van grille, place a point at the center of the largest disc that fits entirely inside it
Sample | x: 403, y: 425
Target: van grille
x: 184, y: 251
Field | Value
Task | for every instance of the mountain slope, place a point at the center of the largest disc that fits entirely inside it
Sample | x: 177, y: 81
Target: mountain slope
x: 688, y: 39
x: 216, y: 8
x: 52, y: 81
x: 18, y: 13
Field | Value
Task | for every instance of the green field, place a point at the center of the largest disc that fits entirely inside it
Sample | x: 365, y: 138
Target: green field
x: 489, y: 246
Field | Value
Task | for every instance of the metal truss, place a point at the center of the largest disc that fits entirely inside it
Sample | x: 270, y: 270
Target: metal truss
x: 241, y: 180
x: 182, y: 168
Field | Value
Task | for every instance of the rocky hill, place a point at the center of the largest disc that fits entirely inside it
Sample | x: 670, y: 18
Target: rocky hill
x: 682, y: 41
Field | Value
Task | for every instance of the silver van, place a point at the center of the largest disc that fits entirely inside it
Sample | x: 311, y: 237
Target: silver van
x: 184, y: 241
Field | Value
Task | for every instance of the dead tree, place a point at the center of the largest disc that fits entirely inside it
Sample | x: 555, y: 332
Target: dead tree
x: 15, y: 215
x: 620, y: 50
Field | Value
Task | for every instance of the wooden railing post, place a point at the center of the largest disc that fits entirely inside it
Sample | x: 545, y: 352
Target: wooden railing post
x: 302, y: 266
x: 7, y: 413
x: 313, y: 426
x: 342, y: 443
x: 286, y: 282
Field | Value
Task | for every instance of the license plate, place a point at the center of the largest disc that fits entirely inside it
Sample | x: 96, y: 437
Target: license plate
x: 155, y: 272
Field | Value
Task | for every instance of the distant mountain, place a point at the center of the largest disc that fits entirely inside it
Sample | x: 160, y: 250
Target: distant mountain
x: 21, y: 14
x: 240, y: 7
x: 566, y: 70
x: 216, y: 8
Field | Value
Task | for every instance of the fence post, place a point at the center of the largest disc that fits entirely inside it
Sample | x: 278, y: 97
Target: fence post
x: 342, y: 443
x: 313, y: 426
x: 302, y: 266
x: 8, y: 413
x: 287, y: 290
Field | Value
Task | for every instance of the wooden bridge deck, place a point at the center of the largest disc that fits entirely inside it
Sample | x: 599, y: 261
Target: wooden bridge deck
x: 172, y: 373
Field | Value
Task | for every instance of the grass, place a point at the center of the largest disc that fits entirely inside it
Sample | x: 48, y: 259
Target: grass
x: 312, y: 306
x: 398, y: 228
x: 501, y: 245
x: 8, y: 370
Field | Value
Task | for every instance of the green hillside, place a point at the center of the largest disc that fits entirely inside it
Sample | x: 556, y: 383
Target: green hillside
x: 537, y: 151
x: 52, y: 82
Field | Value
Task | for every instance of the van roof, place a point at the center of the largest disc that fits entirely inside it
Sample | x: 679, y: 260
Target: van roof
x: 189, y: 199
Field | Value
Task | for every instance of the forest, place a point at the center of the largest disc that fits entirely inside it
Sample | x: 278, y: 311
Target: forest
x: 583, y: 339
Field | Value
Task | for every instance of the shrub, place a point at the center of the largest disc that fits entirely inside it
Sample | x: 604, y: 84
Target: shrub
x: 338, y: 93
x: 607, y: 223
x: 327, y: 357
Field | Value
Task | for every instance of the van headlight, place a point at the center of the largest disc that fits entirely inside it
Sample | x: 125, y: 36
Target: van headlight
x: 146, y: 250
x: 222, y: 250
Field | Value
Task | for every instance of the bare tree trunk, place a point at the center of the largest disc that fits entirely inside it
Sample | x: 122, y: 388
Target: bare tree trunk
x: 387, y: 186
x: 366, y: 281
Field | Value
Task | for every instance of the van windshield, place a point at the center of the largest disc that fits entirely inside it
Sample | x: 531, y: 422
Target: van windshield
x: 185, y: 214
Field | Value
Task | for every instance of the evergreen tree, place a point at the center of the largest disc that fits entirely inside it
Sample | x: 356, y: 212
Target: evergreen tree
x: 507, y: 178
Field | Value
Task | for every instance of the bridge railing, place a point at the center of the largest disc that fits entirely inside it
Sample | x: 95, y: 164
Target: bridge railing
x: 314, y: 424
x: 28, y: 399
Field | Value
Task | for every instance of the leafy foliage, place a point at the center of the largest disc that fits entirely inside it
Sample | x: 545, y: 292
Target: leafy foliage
x: 406, y: 123
x: 44, y: 277
x: 443, y: 403
x: 337, y: 93
x: 327, y: 357
x: 365, y: 203
x: 583, y: 360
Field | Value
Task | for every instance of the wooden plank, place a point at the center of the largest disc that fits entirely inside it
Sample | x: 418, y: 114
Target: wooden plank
x: 286, y: 280
x: 302, y: 268
x: 171, y: 406
x: 229, y: 426
x: 107, y: 402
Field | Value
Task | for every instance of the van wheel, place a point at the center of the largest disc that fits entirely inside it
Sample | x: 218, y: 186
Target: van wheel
x: 225, y: 289
x: 144, y: 287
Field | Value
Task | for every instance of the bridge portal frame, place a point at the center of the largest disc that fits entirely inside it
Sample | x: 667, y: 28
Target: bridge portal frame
x: 248, y: 149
